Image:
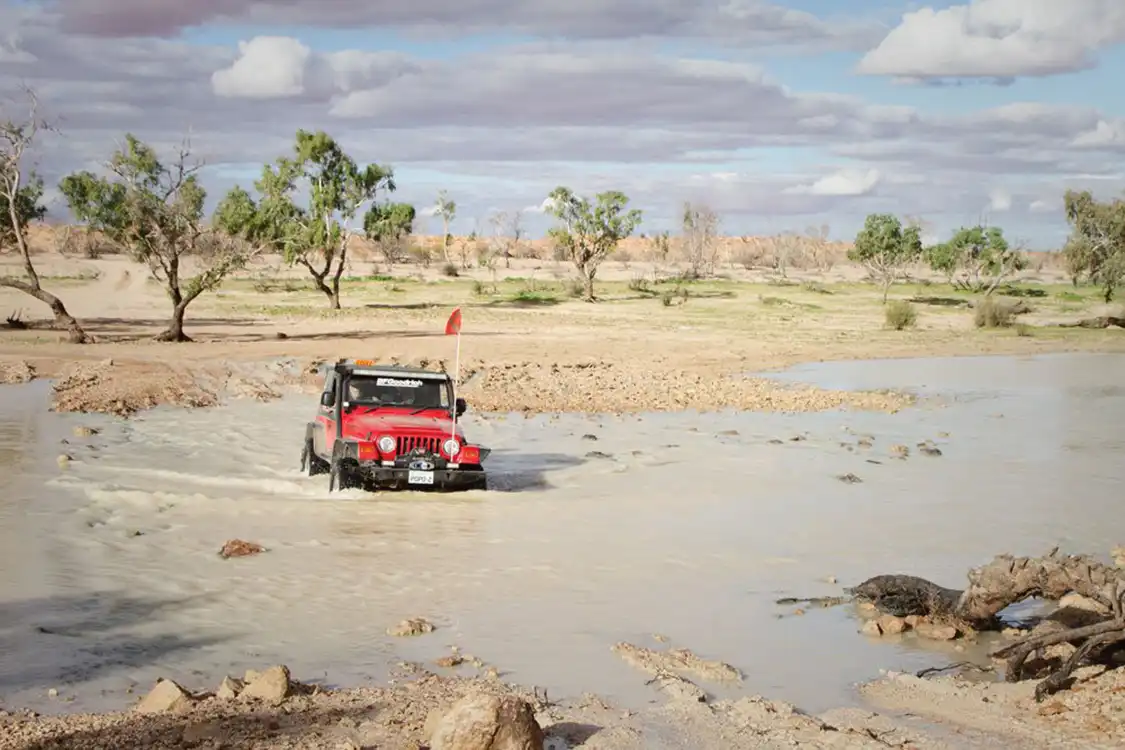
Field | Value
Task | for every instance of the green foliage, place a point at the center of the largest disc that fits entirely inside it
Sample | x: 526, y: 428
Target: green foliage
x: 150, y: 209
x: 313, y: 234
x: 1096, y: 247
x: 389, y: 222
x: 387, y: 225
x: 990, y: 312
x: 588, y: 233
x: 155, y: 211
x: 900, y: 315
x: 27, y: 206
x: 885, y: 247
x: 976, y: 259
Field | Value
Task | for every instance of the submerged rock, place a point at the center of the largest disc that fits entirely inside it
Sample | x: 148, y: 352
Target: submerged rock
x: 240, y: 548
x: 411, y: 626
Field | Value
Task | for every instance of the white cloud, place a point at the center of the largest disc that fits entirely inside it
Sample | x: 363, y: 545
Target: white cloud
x: 1044, y: 206
x: 999, y: 200
x: 844, y: 183
x: 998, y: 39
x: 1105, y: 133
x: 268, y: 67
x: 281, y: 67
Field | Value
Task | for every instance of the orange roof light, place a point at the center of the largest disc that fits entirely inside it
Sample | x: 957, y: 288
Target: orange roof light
x: 363, y: 362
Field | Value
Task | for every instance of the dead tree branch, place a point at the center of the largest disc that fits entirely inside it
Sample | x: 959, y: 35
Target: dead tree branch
x: 1007, y: 580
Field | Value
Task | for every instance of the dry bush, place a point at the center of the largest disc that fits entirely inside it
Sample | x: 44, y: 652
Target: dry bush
x: 82, y: 242
x: 900, y: 315
x: 992, y: 313
x: 749, y: 256
x: 423, y: 255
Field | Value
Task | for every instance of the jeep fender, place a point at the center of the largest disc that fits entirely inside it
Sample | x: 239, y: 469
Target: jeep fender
x: 345, y: 449
x: 310, y: 428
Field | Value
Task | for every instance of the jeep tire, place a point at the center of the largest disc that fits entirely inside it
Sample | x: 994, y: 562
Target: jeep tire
x: 342, y: 475
x: 312, y: 464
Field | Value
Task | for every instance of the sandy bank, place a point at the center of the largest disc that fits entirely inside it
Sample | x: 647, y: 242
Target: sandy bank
x: 955, y: 714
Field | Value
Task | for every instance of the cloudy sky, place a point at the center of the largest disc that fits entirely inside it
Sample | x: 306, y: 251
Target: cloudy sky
x: 779, y: 115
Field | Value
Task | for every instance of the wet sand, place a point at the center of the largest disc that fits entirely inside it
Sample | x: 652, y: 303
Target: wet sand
x: 685, y: 525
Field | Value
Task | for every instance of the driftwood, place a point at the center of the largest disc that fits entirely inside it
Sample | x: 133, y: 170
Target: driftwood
x: 1003, y: 582
x: 1104, y: 321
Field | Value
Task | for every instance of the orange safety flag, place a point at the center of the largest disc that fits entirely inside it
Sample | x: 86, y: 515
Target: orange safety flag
x: 453, y: 325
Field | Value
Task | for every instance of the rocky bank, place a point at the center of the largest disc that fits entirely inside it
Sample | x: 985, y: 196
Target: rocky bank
x: 270, y: 709
x: 127, y: 386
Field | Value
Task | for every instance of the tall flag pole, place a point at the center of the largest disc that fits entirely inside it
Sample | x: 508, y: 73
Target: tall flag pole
x: 453, y: 328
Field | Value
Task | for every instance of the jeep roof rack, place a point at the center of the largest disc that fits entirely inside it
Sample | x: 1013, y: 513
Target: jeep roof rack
x: 371, y: 367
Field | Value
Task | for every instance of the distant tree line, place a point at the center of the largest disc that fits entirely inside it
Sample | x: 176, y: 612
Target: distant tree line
x: 980, y: 259
x: 306, y: 201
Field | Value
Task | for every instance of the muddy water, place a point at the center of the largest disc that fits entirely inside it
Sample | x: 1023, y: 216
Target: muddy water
x: 689, y: 526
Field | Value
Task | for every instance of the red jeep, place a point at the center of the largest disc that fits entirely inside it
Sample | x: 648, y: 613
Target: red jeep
x: 390, y: 427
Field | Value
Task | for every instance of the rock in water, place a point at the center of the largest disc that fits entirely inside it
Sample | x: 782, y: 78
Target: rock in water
x: 240, y: 548
x: 165, y: 697
x: 411, y: 626
x: 488, y: 722
x: 936, y: 631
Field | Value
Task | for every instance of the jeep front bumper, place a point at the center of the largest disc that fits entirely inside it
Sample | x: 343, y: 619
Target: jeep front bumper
x: 383, y: 477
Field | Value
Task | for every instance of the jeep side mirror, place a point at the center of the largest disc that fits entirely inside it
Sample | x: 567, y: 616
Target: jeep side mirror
x: 328, y: 398
x: 461, y: 406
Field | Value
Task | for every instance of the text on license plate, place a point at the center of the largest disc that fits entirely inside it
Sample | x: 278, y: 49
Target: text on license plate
x: 420, y: 477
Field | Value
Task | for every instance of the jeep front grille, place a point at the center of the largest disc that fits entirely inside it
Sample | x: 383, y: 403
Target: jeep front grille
x: 428, y: 444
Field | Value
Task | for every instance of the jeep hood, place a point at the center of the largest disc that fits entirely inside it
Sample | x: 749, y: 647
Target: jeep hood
x: 390, y: 423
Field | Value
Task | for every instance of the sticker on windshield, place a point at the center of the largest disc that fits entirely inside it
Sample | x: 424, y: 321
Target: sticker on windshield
x: 399, y: 383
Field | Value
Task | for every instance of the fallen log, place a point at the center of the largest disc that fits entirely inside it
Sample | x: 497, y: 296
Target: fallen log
x: 1103, y: 321
x: 995, y: 586
x: 1007, y: 580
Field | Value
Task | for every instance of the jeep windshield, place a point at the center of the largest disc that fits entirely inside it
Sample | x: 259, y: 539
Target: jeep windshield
x: 405, y: 392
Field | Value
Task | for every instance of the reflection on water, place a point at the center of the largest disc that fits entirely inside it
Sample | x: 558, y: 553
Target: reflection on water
x: 682, y: 524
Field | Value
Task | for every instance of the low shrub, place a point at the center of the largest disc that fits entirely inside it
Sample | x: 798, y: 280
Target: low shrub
x: 900, y: 315
x: 991, y: 313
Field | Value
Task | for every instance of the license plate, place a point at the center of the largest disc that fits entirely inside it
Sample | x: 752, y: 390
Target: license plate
x: 420, y: 477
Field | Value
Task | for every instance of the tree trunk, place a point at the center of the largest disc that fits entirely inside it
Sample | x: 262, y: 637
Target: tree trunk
x: 175, y: 330
x: 588, y: 284
x: 63, y: 320
x: 341, y: 262
x: 445, y: 239
x: 887, y: 288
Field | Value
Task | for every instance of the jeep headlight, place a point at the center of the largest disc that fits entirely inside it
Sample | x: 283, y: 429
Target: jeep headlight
x: 451, y: 447
x: 386, y: 444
